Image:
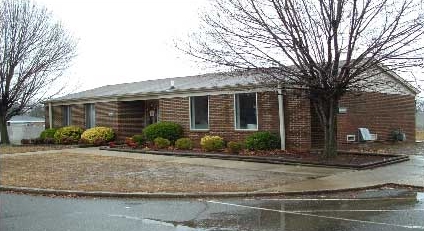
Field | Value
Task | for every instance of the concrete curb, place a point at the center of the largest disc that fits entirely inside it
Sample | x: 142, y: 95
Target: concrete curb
x: 39, y: 191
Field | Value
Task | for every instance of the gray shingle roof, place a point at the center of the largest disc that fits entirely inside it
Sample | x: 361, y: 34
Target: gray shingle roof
x: 211, y: 81
x: 198, y: 82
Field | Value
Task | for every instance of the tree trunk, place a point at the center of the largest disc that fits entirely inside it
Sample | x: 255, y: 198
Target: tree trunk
x: 330, y: 131
x: 327, y: 113
x: 3, y: 130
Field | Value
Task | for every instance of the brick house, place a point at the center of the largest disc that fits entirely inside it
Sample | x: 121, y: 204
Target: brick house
x: 234, y: 106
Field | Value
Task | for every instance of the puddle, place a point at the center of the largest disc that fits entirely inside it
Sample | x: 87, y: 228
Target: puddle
x: 157, y: 223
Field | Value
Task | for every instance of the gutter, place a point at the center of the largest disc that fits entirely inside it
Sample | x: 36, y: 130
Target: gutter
x: 50, y: 116
x: 281, y: 118
x: 165, y: 94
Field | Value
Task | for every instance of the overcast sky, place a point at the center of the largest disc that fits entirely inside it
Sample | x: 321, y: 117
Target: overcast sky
x: 127, y: 40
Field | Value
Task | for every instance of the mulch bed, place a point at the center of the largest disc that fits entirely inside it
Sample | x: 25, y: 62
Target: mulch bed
x: 344, y: 159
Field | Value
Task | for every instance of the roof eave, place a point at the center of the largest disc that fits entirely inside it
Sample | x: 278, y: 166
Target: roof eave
x: 118, y: 97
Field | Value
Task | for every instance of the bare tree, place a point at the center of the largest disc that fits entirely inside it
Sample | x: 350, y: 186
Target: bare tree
x: 325, y: 48
x: 34, y: 51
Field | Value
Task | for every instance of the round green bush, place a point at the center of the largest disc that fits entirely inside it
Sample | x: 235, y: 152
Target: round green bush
x: 48, y: 133
x: 98, y: 135
x: 234, y: 147
x: 184, y: 144
x: 167, y: 130
x: 262, y: 141
x: 139, y: 139
x: 162, y: 143
x: 68, y: 135
x: 212, y: 143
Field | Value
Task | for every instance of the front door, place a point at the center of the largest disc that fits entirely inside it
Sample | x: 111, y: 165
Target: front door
x: 152, y: 111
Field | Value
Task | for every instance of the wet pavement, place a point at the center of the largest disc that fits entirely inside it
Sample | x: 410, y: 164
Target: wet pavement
x: 389, y: 209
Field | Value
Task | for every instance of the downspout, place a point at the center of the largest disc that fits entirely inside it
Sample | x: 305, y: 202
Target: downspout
x: 281, y: 117
x: 50, y: 116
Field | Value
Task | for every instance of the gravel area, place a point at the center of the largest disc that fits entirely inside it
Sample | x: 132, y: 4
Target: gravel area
x: 100, y: 173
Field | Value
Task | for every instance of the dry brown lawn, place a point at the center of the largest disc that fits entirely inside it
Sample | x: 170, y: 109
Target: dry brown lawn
x: 13, y: 149
x: 69, y: 171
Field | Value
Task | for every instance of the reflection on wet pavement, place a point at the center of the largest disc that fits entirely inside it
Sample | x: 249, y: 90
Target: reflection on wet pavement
x: 388, y: 210
x: 403, y: 212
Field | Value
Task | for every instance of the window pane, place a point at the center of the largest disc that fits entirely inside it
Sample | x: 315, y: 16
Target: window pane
x: 199, y: 112
x: 90, y: 116
x: 246, y: 111
x: 66, y: 112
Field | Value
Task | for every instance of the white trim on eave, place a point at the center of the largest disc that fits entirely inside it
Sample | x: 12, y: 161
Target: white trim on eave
x: 166, y: 94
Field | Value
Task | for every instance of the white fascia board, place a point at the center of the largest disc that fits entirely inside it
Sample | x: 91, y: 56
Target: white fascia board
x: 167, y: 95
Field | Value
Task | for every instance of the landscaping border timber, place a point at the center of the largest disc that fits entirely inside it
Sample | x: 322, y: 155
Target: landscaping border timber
x: 389, y: 158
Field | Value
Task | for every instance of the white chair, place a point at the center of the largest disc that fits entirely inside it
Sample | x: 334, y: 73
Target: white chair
x: 365, y: 135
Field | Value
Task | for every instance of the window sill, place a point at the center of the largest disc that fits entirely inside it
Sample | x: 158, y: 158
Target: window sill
x: 247, y: 130
x: 199, y: 130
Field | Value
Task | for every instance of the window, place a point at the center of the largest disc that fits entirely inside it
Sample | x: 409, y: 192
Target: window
x: 245, y: 107
x: 199, y: 113
x: 90, y: 115
x: 66, y: 112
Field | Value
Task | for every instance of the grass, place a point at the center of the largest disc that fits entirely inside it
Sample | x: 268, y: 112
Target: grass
x: 86, y: 172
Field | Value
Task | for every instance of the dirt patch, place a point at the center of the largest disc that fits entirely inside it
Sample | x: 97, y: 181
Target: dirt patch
x: 69, y: 171
x: 13, y: 149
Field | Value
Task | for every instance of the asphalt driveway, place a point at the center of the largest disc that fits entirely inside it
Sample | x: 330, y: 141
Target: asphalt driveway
x: 389, y: 210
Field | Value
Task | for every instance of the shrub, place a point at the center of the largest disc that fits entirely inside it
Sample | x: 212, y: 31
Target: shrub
x: 98, y: 135
x: 139, y: 139
x: 167, y: 130
x: 83, y: 141
x: 262, y: 141
x: 112, y: 144
x: 68, y: 135
x: 162, y: 143
x: 48, y: 133
x: 234, y: 147
x: 130, y: 142
x: 49, y: 141
x: 38, y: 141
x: 212, y: 143
x: 184, y: 144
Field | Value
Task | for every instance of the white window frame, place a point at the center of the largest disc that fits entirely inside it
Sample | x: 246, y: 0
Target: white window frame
x: 235, y: 113
x: 92, y: 108
x: 189, y: 106
x: 66, y: 121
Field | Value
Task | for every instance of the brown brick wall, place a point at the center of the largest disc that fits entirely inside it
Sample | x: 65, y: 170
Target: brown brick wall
x: 298, y: 121
x: 107, y: 114
x: 221, y: 115
x: 46, y: 116
x: 57, y: 116
x: 131, y: 118
x: 380, y: 113
x: 125, y: 118
x: 78, y: 115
